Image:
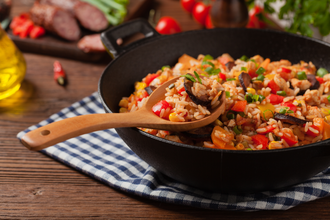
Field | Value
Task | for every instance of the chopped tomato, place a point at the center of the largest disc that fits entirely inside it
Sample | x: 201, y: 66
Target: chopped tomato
x: 181, y: 90
x: 320, y: 79
x: 273, y: 86
x: 160, y: 106
x: 150, y: 78
x: 285, y: 73
x: 275, y: 99
x: 239, y: 106
x: 260, y: 139
x: 290, y: 105
x: 37, y: 32
x: 311, y: 133
x: 252, y: 73
x: 222, y: 76
x: 269, y: 128
x: 289, y: 139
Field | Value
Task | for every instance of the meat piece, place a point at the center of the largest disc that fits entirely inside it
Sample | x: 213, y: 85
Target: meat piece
x: 88, y: 15
x: 55, y: 20
x: 91, y: 43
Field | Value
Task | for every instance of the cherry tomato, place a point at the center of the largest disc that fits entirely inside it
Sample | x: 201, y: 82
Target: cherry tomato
x: 168, y: 25
x: 188, y: 5
x: 200, y: 12
x: 208, y: 22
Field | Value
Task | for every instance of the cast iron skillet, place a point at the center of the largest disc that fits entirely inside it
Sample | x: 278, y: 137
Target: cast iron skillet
x: 211, y: 169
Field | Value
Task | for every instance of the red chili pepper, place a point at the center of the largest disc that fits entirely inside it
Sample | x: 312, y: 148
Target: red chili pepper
x: 37, y: 32
x: 289, y: 139
x: 239, y: 106
x: 59, y: 74
x: 269, y: 128
x: 260, y: 139
x: 290, y: 105
x: 157, y: 108
x: 273, y: 86
x: 275, y: 99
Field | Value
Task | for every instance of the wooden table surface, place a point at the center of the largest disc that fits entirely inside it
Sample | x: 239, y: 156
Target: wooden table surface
x: 34, y: 186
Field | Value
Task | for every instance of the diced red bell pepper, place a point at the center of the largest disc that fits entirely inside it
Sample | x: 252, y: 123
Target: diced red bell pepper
x: 17, y: 21
x: 239, y: 106
x: 222, y: 76
x: 285, y: 73
x: 310, y: 133
x: 252, y: 73
x: 273, y: 86
x: 289, y: 139
x: 37, y: 32
x: 157, y: 108
x: 260, y: 139
x: 275, y: 99
x: 181, y: 90
x: 269, y: 128
x: 150, y: 78
x: 143, y: 95
x: 320, y: 79
x: 290, y: 105
x: 24, y: 29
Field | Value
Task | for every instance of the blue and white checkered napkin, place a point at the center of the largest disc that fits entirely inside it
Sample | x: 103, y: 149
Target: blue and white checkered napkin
x: 104, y: 156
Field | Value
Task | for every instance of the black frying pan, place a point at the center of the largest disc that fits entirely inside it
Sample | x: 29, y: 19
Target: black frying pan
x: 211, y: 169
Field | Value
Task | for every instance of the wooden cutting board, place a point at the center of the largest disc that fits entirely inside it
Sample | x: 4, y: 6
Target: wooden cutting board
x: 54, y: 46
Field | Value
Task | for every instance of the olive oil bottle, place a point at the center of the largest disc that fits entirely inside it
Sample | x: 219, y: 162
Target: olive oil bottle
x: 12, y: 66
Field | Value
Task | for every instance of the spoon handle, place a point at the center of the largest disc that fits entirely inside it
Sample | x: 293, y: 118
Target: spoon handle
x: 65, y: 129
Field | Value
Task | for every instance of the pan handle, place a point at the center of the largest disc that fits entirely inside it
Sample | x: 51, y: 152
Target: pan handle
x: 110, y: 36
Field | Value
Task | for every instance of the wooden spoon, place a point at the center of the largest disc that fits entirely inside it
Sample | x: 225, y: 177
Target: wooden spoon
x: 65, y: 129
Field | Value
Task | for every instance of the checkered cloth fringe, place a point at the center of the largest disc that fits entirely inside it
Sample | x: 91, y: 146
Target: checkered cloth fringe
x: 104, y: 156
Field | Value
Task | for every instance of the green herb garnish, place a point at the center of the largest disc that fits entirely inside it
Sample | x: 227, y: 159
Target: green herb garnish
x: 322, y: 72
x: 163, y: 68
x: 227, y: 94
x: 207, y: 57
x: 243, y: 69
x: 189, y: 77
x: 301, y: 75
x: 281, y: 93
x: 244, y: 58
x: 260, y: 78
x: 207, y: 63
x: 231, y: 79
x: 198, y: 78
x: 260, y: 71
x: 237, y: 130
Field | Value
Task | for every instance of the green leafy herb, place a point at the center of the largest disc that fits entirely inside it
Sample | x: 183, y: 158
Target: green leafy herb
x: 250, y: 98
x: 212, y: 71
x: 207, y: 63
x: 198, y: 78
x: 167, y: 66
x: 227, y: 94
x: 301, y: 75
x: 260, y: 70
x: 282, y: 111
x: 321, y: 72
x: 189, y: 77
